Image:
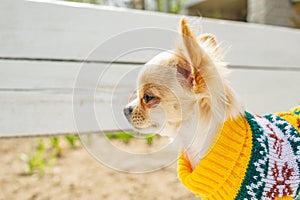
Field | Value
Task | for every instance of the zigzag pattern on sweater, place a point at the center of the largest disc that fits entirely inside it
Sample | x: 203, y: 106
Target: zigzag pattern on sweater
x: 255, y: 157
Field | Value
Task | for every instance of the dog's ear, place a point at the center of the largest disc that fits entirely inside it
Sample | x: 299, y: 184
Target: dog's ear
x: 196, y: 58
x: 210, y: 41
x: 185, y: 69
x: 191, y: 46
x: 208, y: 38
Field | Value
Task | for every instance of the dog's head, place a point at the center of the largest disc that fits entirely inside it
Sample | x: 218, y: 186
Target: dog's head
x: 173, y: 84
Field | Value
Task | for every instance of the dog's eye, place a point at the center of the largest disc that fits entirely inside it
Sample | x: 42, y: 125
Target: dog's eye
x: 147, y: 98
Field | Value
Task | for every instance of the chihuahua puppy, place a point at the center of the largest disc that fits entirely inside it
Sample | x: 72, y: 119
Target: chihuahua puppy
x: 184, y: 93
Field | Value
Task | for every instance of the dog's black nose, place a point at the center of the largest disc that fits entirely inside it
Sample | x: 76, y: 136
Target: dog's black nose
x: 127, y: 112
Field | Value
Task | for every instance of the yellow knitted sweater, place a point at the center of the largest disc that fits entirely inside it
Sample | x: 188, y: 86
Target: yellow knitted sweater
x: 254, y: 157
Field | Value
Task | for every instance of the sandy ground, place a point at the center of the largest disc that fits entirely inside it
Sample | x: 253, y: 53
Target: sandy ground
x: 77, y: 175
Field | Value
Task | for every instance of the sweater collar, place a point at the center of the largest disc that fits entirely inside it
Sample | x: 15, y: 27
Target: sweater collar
x: 230, y: 153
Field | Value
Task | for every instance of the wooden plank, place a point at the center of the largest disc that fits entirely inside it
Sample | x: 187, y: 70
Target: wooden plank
x: 36, y: 97
x: 265, y: 91
x: 38, y: 113
x: 73, y: 30
x: 33, y: 75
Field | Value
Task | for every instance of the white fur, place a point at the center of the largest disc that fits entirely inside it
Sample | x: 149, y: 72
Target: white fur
x: 196, y: 132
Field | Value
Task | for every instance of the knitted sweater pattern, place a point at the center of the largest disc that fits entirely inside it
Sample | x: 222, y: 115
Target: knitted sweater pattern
x: 254, y: 157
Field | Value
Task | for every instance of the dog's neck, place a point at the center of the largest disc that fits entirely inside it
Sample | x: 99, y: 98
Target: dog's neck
x: 197, y: 136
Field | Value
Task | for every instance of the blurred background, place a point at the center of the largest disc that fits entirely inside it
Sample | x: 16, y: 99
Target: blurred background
x: 272, y: 12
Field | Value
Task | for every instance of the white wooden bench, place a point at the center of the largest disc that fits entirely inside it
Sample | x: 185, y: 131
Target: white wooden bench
x: 43, y: 45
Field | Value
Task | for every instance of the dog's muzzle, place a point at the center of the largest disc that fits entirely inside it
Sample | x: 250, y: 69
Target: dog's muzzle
x: 127, y: 112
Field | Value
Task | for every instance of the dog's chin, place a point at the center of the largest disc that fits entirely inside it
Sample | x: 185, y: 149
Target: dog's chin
x: 159, y: 130
x: 151, y: 129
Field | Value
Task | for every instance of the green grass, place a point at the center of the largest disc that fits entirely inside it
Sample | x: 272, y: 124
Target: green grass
x: 45, y: 154
x: 47, y: 150
x: 71, y: 139
x: 39, y: 160
x: 56, y: 146
x: 150, y: 138
x: 127, y: 136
